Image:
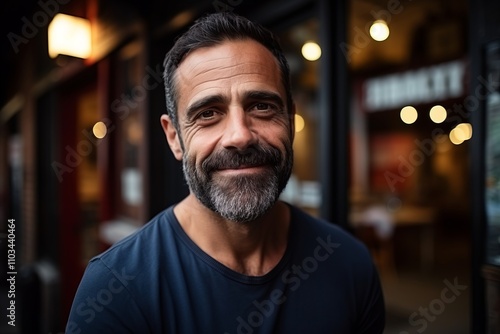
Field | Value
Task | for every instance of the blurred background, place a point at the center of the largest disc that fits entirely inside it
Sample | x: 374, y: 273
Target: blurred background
x: 397, y: 141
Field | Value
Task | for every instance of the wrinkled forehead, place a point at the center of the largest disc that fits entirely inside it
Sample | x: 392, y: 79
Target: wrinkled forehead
x: 234, y: 55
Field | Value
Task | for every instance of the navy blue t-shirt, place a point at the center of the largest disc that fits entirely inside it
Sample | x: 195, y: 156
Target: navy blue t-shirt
x: 159, y: 281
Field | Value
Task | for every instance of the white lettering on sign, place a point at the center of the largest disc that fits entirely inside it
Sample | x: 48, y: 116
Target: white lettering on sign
x: 424, y: 85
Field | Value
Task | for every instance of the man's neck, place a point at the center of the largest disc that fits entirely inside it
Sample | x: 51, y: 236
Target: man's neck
x: 252, y: 248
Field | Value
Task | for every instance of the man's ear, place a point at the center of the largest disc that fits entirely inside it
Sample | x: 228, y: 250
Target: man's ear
x: 172, y: 136
x: 292, y: 120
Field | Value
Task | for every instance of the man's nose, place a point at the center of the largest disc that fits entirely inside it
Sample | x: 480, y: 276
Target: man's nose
x: 238, y: 132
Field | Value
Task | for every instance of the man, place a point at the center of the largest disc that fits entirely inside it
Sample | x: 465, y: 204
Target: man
x: 230, y: 257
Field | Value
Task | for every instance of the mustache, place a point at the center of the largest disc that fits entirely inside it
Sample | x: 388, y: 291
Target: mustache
x: 256, y: 155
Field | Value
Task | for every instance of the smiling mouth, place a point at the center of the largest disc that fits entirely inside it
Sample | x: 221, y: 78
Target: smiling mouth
x: 242, y: 169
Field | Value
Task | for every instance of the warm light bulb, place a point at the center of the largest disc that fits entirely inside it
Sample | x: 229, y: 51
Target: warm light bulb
x: 408, y: 114
x: 70, y: 35
x: 311, y: 51
x: 379, y: 30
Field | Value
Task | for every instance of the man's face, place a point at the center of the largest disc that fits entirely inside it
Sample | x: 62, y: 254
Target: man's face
x: 237, y: 134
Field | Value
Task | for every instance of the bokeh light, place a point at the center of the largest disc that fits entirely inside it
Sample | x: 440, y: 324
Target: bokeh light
x: 409, y: 114
x: 438, y: 114
x: 379, y: 30
x: 456, y: 136
x: 100, y: 130
x: 465, y: 130
x: 311, y: 51
x: 299, y: 123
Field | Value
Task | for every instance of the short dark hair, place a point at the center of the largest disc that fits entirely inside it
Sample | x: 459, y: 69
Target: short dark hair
x: 212, y: 30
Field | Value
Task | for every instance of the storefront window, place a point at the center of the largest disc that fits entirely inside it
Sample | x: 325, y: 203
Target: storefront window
x: 409, y: 148
x: 129, y: 133
x: 127, y: 144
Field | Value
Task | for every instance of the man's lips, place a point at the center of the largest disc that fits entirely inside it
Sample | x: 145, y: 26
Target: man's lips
x: 242, y: 168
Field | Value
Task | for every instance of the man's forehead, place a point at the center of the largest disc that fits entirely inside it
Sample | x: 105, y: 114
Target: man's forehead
x: 227, y: 55
x: 220, y: 69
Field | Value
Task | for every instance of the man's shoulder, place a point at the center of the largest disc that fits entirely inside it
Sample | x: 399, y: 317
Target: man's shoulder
x: 328, y: 243
x: 143, y: 241
x: 313, y: 228
x: 307, y: 222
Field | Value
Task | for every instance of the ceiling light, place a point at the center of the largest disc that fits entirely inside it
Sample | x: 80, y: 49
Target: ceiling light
x: 69, y: 35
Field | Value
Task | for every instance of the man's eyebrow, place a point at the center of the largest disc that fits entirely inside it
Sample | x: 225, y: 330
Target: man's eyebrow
x: 262, y: 95
x: 253, y: 95
x: 203, y: 102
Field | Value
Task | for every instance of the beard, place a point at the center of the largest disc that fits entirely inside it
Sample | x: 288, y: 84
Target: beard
x: 242, y: 197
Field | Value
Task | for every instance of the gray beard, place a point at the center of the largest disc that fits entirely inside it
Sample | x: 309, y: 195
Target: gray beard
x: 240, y: 198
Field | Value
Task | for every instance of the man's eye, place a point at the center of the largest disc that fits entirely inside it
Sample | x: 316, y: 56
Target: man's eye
x: 207, y: 114
x: 263, y: 106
